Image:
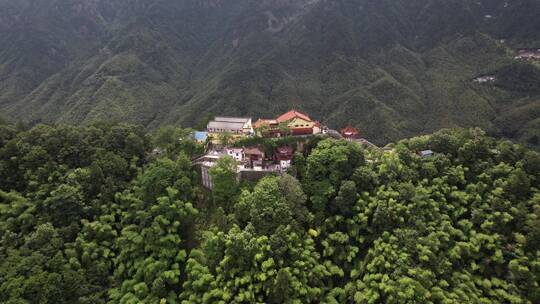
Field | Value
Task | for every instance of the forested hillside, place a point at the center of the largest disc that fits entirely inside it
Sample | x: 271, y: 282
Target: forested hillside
x: 394, y: 69
x: 91, y: 215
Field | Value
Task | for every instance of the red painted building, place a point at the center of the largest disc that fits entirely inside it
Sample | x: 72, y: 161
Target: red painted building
x: 254, y: 156
x: 283, y: 156
x: 350, y: 132
x: 283, y: 153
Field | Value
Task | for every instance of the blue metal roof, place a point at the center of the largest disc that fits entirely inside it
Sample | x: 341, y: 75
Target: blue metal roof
x: 200, y: 136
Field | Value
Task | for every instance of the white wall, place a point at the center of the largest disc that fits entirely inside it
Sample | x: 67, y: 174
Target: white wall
x: 285, y: 164
x: 237, y: 155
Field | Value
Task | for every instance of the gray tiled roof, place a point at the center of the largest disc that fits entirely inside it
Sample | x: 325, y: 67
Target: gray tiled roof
x: 232, y: 119
x: 226, y: 125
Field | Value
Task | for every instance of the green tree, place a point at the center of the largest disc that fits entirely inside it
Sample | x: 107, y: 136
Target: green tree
x: 175, y: 141
x: 246, y: 271
x: 274, y: 202
x: 327, y: 166
x: 152, y: 249
x: 225, y: 182
x: 225, y: 138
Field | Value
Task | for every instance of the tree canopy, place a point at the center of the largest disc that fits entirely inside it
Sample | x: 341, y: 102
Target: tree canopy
x: 91, y: 215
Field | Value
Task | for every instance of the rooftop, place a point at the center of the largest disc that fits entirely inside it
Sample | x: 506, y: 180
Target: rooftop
x: 211, y: 156
x: 226, y: 125
x: 242, y: 120
x: 291, y: 115
x: 253, y: 150
x: 200, y: 136
x: 426, y: 153
x: 264, y: 122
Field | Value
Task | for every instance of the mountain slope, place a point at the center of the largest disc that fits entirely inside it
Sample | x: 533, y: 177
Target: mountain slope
x: 392, y: 68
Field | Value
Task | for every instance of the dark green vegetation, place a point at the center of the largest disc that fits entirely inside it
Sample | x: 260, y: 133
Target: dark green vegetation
x: 392, y: 68
x: 89, y: 215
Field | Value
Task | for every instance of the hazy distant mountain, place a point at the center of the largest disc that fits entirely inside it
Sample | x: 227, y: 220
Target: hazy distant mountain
x: 393, y: 68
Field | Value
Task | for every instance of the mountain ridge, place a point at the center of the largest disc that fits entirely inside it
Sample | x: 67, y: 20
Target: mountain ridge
x: 392, y: 68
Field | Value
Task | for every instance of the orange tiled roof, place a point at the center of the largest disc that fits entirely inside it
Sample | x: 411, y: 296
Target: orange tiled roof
x: 253, y: 151
x: 264, y: 122
x: 291, y: 115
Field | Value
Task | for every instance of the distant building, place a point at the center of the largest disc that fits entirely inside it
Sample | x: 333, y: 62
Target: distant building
x: 484, y: 79
x: 290, y: 123
x: 200, y: 136
x: 206, y: 162
x: 349, y: 132
x: 251, y: 164
x: 267, y: 127
x: 234, y: 125
x: 299, y: 123
x: 254, y: 156
x: 293, y: 114
x: 269, y: 123
x: 528, y: 54
x: 236, y: 153
x: 426, y: 153
x: 283, y: 156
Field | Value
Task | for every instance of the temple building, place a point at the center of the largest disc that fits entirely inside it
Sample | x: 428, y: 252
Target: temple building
x: 299, y: 123
x: 290, y: 123
x: 284, y: 156
x: 236, y: 127
x: 254, y: 157
x: 267, y: 128
x: 233, y: 125
x: 236, y: 153
x: 205, y: 162
x: 349, y: 132
x: 265, y: 123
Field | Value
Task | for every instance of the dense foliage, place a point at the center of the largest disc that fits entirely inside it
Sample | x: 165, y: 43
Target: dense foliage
x: 94, y: 215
